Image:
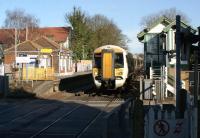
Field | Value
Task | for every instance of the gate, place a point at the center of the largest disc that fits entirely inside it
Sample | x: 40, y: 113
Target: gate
x: 163, y: 124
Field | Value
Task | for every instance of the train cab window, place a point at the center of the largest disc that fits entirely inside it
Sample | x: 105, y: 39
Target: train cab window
x: 119, y: 62
x: 97, y: 60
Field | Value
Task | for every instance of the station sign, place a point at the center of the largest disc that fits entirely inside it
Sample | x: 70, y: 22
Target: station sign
x: 22, y: 55
x: 23, y: 60
x: 46, y: 50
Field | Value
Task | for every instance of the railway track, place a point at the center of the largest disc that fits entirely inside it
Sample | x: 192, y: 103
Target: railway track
x: 58, y: 115
x: 84, y: 130
x: 54, y: 122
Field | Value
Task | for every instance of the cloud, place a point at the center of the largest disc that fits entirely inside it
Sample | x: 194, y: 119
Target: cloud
x: 134, y: 46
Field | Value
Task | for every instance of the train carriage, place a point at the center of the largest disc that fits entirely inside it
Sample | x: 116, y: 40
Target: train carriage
x: 112, y: 65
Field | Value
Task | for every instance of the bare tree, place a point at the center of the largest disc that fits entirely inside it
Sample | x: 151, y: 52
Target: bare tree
x: 19, y: 19
x: 18, y: 25
x: 171, y: 13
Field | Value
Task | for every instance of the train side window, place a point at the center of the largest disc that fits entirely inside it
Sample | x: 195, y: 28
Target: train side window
x: 119, y: 60
x: 97, y: 60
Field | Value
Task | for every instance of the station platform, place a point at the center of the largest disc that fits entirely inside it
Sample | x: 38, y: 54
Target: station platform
x: 75, y: 74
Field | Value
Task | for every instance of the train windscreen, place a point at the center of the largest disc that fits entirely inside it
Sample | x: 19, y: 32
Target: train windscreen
x: 119, y: 62
x: 97, y: 60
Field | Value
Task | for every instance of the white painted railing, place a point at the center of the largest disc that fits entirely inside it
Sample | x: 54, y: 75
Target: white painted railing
x: 171, y: 89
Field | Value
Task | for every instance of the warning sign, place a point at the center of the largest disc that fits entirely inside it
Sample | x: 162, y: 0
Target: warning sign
x: 161, y: 128
x: 178, y: 127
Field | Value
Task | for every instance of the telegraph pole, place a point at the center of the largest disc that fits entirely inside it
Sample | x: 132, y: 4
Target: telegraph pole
x: 178, y: 70
x: 26, y: 32
x: 15, y: 43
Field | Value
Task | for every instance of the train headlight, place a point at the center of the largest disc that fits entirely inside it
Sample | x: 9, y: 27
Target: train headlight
x: 120, y: 73
x: 95, y: 73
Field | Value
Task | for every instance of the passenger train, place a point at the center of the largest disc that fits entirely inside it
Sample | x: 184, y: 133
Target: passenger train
x: 112, y: 65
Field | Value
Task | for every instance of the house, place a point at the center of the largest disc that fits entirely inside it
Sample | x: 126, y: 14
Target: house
x: 160, y: 58
x: 60, y: 35
x: 41, y: 54
x: 62, y: 56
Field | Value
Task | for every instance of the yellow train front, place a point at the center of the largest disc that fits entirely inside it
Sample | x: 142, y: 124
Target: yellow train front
x: 110, y: 67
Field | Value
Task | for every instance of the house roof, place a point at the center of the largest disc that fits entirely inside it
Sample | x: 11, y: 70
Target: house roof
x: 25, y: 46
x: 163, y: 20
x: 57, y: 34
x: 168, y: 24
x: 183, y: 25
x: 7, y: 37
x: 37, y: 45
x: 46, y: 43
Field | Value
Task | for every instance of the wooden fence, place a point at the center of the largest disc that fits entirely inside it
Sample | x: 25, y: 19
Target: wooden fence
x: 163, y: 124
x: 32, y: 73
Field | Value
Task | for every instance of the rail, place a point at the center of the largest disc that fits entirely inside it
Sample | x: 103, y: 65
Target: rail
x: 119, y: 122
x: 81, y: 133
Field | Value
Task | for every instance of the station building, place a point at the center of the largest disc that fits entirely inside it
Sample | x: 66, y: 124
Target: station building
x: 41, y: 59
x: 160, y: 58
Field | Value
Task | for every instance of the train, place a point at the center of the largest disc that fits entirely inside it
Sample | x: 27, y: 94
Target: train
x: 112, y: 66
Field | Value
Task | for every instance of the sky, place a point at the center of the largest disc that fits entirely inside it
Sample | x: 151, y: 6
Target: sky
x: 127, y: 14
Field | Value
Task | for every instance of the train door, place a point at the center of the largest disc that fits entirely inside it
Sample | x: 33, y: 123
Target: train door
x: 108, y: 64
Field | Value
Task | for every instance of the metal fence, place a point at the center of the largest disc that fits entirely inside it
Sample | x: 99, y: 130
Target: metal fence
x: 119, y: 122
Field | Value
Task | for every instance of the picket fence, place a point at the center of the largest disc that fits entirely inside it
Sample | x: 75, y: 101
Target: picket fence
x: 83, y: 66
x: 32, y: 73
x: 163, y: 124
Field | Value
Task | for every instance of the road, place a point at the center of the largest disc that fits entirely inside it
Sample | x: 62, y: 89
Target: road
x: 58, y: 115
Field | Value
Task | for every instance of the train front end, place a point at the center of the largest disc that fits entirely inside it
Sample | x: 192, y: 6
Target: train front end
x: 109, y: 67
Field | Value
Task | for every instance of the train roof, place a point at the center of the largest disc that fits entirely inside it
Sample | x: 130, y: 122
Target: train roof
x: 114, y: 47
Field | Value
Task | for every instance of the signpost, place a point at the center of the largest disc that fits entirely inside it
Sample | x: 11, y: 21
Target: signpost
x: 23, y: 60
